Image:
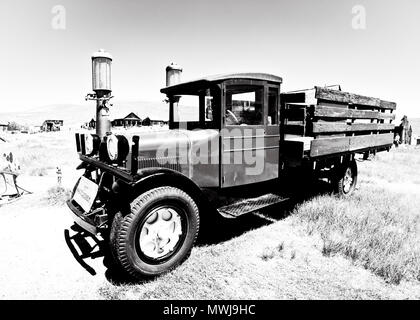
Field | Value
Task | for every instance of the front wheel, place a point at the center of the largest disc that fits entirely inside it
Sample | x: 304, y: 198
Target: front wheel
x: 157, y: 234
x: 345, y: 178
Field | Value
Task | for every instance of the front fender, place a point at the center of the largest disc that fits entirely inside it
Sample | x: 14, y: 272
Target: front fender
x: 150, y: 178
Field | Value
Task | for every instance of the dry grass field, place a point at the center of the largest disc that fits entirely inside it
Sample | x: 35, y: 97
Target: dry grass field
x: 322, y: 247
x: 40, y: 154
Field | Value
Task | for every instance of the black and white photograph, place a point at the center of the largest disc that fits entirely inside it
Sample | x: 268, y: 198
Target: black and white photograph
x: 226, y: 151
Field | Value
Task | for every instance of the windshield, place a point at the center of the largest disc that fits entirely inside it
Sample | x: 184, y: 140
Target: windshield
x: 198, y: 109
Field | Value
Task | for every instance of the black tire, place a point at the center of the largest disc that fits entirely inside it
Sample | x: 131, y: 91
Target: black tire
x: 345, y: 178
x: 127, y: 230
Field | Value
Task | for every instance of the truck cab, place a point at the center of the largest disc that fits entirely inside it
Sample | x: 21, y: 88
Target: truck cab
x: 238, y: 115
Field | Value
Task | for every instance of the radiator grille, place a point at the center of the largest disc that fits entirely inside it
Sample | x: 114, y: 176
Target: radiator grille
x: 168, y: 162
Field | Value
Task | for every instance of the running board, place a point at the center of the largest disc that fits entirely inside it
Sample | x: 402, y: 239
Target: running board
x: 245, y: 206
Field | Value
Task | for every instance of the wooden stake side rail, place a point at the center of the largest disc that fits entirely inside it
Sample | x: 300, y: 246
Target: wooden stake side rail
x: 351, y: 98
x: 328, y: 146
x: 333, y: 127
x: 339, y: 122
x: 344, y: 113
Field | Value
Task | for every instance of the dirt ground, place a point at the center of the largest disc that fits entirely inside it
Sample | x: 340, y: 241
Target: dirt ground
x: 37, y: 264
x: 262, y: 256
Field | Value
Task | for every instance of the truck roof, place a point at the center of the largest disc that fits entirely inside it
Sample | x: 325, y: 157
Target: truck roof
x: 219, y: 78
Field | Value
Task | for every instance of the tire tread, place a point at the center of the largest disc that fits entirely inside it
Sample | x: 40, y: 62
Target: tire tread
x: 121, y: 226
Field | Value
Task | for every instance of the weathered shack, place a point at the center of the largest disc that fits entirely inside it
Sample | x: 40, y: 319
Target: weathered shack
x: 131, y: 120
x: 92, y: 124
x: 3, y: 127
x: 52, y: 125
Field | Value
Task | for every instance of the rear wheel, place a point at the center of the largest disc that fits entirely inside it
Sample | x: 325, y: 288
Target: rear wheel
x: 158, y: 233
x: 345, y: 178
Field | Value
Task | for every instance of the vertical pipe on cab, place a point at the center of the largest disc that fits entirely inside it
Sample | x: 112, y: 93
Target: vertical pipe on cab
x: 173, y: 77
x: 173, y: 74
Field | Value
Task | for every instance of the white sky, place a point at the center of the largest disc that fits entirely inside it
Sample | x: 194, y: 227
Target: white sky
x: 306, y: 42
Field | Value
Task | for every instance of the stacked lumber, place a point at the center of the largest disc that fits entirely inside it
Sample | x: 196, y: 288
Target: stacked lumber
x: 338, y: 121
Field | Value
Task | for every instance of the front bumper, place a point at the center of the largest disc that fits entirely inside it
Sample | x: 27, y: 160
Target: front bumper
x: 80, y: 219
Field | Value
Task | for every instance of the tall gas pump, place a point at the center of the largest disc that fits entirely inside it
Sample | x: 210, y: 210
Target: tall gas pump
x: 101, y: 85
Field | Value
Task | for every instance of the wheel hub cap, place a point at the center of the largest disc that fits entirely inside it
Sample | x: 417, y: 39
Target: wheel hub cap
x: 160, y: 233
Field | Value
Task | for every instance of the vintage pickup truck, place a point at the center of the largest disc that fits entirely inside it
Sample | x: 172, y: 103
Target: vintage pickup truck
x: 230, y: 138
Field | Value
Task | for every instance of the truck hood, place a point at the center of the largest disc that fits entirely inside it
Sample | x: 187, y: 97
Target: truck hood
x: 173, y: 144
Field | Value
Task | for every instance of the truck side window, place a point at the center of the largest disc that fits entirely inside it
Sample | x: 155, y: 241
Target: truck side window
x: 244, y: 105
x: 187, y: 109
x: 273, y: 96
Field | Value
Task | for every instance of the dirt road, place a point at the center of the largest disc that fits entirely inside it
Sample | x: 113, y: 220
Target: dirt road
x: 35, y: 262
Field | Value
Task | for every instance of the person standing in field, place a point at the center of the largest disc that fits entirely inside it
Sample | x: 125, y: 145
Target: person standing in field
x: 59, y: 176
x: 405, y: 131
x: 409, y: 133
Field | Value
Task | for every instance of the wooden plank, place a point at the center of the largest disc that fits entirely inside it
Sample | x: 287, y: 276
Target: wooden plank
x: 331, y: 112
x: 363, y: 114
x: 388, y: 105
x: 369, y: 141
x: 343, y: 113
x: 345, y: 97
x: 386, y: 116
x: 355, y: 127
x: 386, y: 126
x: 321, y: 147
x: 323, y: 127
x: 326, y: 127
x: 370, y: 127
x: 333, y: 105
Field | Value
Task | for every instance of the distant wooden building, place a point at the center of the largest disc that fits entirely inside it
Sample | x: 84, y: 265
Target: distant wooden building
x: 150, y: 122
x: 158, y: 122
x: 92, y: 124
x: 146, y: 122
x: 3, y: 127
x: 52, y: 125
x: 131, y: 120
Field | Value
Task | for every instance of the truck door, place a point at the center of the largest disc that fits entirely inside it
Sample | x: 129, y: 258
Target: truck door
x: 250, y: 132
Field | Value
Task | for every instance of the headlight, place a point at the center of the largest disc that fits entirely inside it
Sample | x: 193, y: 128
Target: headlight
x: 92, y: 143
x: 117, y: 147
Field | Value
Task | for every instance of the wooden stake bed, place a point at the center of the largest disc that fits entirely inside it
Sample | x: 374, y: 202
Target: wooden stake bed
x: 337, y: 121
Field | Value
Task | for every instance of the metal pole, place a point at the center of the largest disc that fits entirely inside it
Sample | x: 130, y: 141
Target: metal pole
x: 103, y: 124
